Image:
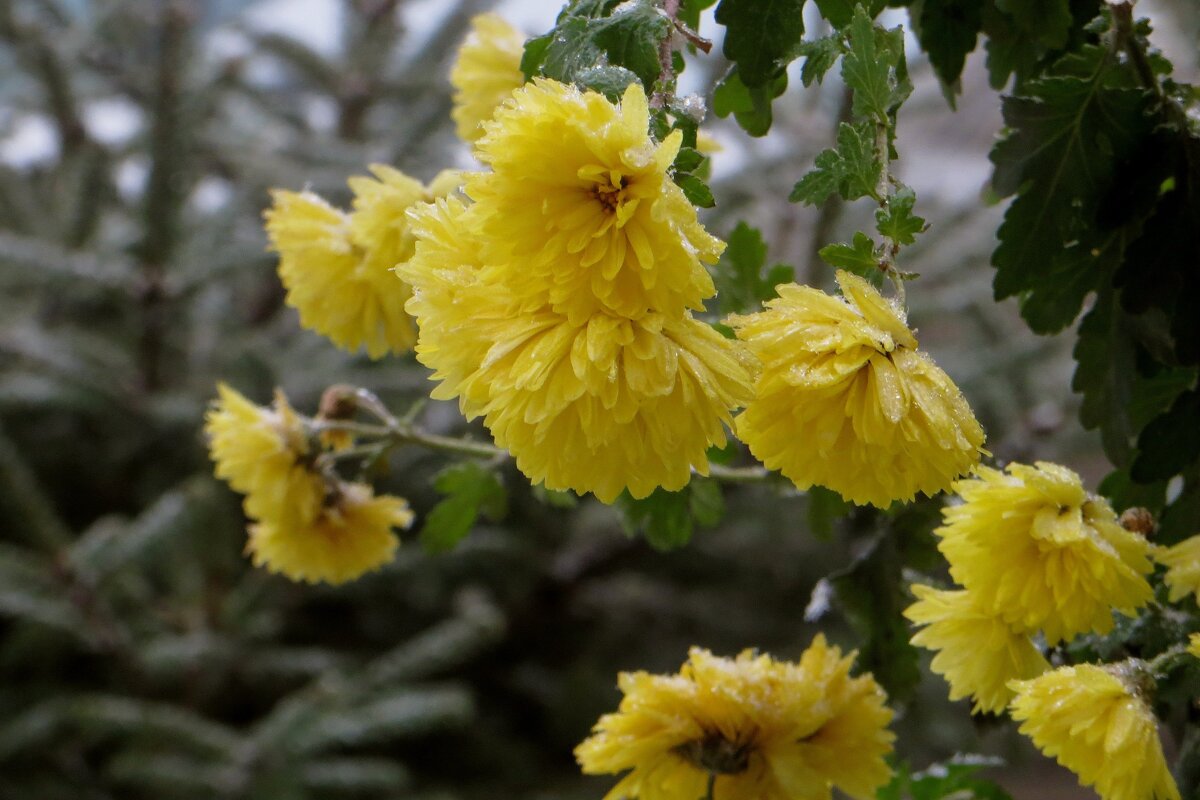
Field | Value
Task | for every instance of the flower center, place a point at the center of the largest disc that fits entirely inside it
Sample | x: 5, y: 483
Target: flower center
x: 610, y: 193
x: 716, y: 754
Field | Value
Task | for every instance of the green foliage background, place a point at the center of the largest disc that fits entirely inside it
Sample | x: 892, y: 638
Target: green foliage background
x: 140, y: 654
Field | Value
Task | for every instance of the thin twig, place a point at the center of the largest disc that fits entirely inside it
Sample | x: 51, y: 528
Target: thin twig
x: 664, y: 88
x: 883, y: 192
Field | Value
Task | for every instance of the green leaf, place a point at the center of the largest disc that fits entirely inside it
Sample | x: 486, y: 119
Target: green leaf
x: 667, y: 519
x: 1171, y: 442
x: 1022, y: 33
x: 588, y: 46
x: 947, y: 30
x: 761, y: 36
x: 608, y: 81
x: 1066, y: 136
x: 751, y: 107
x: 689, y: 12
x: 898, y: 223
x: 741, y: 284
x: 825, y: 507
x: 956, y: 779
x: 688, y: 159
x: 851, y: 170
x: 819, y: 57
x: 840, y: 12
x: 696, y: 190
x: 469, y: 490
x: 860, y: 257
x: 874, y: 68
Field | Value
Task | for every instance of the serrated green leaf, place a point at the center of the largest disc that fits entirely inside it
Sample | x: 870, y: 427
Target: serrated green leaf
x: 898, y: 223
x: 534, y: 55
x: 761, y: 36
x: 840, y: 12
x: 1171, y: 442
x: 593, y: 40
x: 696, y: 191
x: 851, y: 170
x: 1021, y: 33
x: 630, y: 38
x: 751, y: 107
x: 469, y: 490
x: 819, y: 57
x: 1066, y: 135
x: 874, y: 69
x: 860, y: 257
x: 947, y: 30
x: 741, y: 284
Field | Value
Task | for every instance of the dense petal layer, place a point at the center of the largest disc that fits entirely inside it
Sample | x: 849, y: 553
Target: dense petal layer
x: 260, y: 452
x: 977, y: 652
x: 485, y: 73
x: 845, y: 400
x: 337, y: 267
x: 770, y: 730
x: 1037, y: 550
x: 600, y: 405
x: 351, y: 536
x: 1183, y: 567
x: 1093, y: 721
x: 579, y: 212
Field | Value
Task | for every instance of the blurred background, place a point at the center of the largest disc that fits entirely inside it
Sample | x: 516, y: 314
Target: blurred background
x: 141, y: 656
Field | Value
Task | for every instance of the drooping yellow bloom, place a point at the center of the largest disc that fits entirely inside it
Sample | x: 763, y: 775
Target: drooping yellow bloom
x: 846, y: 401
x: 1095, y: 723
x: 769, y: 730
x: 1040, y: 552
x: 337, y: 267
x: 977, y: 652
x: 579, y: 212
x: 485, y: 73
x: 261, y: 453
x: 600, y: 405
x: 1183, y: 567
x: 350, y: 536
x: 1194, y: 644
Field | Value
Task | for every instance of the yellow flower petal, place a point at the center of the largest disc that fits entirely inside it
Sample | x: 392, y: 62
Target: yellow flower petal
x: 1094, y: 722
x: 351, y: 536
x: 771, y: 730
x: 977, y: 652
x: 844, y: 400
x: 485, y: 73
x: 337, y: 267
x: 1183, y: 568
x: 1034, y: 548
x: 578, y: 211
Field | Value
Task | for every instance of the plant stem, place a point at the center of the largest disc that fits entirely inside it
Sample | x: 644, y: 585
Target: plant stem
x: 710, y: 792
x: 883, y: 193
x: 665, y: 86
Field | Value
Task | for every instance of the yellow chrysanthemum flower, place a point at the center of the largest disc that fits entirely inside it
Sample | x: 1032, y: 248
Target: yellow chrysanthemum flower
x: 1194, y: 644
x: 1040, y: 552
x: 579, y: 211
x: 261, y: 453
x: 1095, y: 723
x: 767, y: 730
x: 350, y: 536
x: 337, y: 267
x: 977, y: 652
x: 598, y: 406
x: 846, y: 401
x: 486, y: 72
x: 1183, y: 567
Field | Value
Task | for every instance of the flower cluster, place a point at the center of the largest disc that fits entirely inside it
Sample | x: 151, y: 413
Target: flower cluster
x: 846, y: 401
x: 753, y: 726
x: 1034, y: 553
x: 1037, y: 555
x: 337, y: 266
x: 557, y: 304
x: 308, y: 524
